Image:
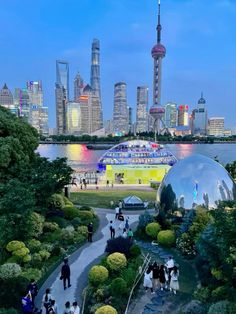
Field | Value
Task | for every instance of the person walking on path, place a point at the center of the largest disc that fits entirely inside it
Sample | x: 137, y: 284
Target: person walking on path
x: 155, y: 271
x: 127, y: 223
x: 147, y: 283
x: 67, y: 308
x: 162, y: 277
x: 174, y: 279
x: 170, y: 265
x: 33, y: 289
x: 112, y: 229
x: 117, y: 209
x: 75, y: 309
x: 124, y: 235
x: 53, y: 307
x: 120, y: 206
x: 27, y: 304
x: 47, y: 299
x: 65, y: 274
x: 90, y: 232
x: 130, y: 235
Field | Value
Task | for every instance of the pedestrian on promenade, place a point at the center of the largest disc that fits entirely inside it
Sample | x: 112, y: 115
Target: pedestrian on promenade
x: 27, y: 304
x: 108, y: 183
x: 124, y: 235
x: 130, y: 235
x: 112, y: 229
x: 127, y: 223
x: 33, y: 289
x: 174, y: 279
x: 162, y: 277
x: 65, y: 274
x: 53, y: 308
x: 120, y: 206
x: 147, y: 283
x: 47, y: 299
x: 75, y: 309
x: 170, y: 265
x: 155, y: 271
x: 117, y: 209
x: 90, y: 232
x: 67, y: 308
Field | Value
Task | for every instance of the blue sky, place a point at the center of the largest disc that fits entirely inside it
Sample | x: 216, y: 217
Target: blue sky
x: 199, y: 35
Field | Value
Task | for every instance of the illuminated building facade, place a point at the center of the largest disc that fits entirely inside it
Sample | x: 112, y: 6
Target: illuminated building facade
x: 78, y: 87
x: 216, y: 126
x: 22, y: 102
x: 6, y: 99
x: 183, y: 115
x: 120, y: 112
x: 35, y: 92
x: 171, y: 115
x: 142, y: 109
x: 200, y: 118
x: 73, y: 115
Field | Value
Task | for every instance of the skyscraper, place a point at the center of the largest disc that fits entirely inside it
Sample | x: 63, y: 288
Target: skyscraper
x: 78, y: 87
x: 6, y: 99
x: 142, y: 109
x: 22, y: 102
x: 216, y: 126
x: 35, y: 92
x: 120, y: 113
x: 200, y: 118
x: 157, y: 111
x: 62, y: 76
x: 183, y: 115
x: 74, y: 117
x: 171, y: 115
x: 95, y: 74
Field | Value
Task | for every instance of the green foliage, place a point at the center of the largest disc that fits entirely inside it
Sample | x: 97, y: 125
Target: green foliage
x: 194, y: 307
x: 98, y: 274
x: 70, y: 212
x: 50, y: 226
x: 166, y: 238
x: 135, y: 250
x: 221, y: 307
x: 10, y: 270
x: 83, y: 230
x: 118, y: 287
x: 168, y: 199
x: 203, y: 294
x: 34, y: 245
x: 106, y: 309
x: 231, y: 168
x: 116, y: 261
x: 119, y: 244
x: 152, y: 229
x: 44, y: 255
x: 85, y: 216
x: 220, y: 293
x: 76, y: 222
x: 32, y: 225
x: 186, y: 245
x: 15, y: 245
x: 87, y: 208
x: 8, y: 311
x: 129, y: 274
x: 57, y: 201
x: 30, y: 273
x: 67, y: 201
x: 62, y: 222
x: 144, y: 220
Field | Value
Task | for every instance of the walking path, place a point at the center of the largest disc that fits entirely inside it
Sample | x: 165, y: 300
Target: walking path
x: 81, y: 261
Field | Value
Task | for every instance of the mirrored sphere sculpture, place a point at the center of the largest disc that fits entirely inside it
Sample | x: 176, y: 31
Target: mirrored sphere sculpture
x: 195, y: 180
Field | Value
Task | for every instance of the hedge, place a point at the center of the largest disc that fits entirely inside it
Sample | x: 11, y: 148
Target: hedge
x: 116, y: 261
x: 152, y: 229
x: 98, y: 274
x: 166, y: 238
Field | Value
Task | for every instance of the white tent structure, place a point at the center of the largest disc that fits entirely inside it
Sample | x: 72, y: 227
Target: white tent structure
x: 134, y: 202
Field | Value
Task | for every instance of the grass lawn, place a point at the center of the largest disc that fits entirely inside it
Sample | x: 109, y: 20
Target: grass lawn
x: 102, y: 199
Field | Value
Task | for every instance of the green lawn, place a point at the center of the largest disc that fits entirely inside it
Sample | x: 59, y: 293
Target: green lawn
x: 102, y: 199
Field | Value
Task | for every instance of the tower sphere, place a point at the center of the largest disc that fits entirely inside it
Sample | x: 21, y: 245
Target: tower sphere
x: 157, y: 112
x: 158, y: 51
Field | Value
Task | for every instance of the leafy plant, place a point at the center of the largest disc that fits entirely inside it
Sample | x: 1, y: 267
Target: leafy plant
x: 166, y: 238
x: 98, y: 274
x: 106, y: 309
x: 116, y: 261
x: 152, y: 229
x: 119, y: 244
x: 118, y: 287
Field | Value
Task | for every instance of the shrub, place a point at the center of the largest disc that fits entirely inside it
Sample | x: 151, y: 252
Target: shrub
x: 36, y: 260
x: 202, y: 294
x: 106, y: 309
x: 62, y: 222
x: 166, y: 238
x: 220, y: 307
x: 56, y: 251
x: 116, y: 261
x: 44, y: 255
x: 34, y: 245
x: 12, y: 290
x: 15, y: 245
x: 119, y: 244
x: 18, y: 249
x: 8, y: 311
x: 118, y: 287
x: 21, y: 253
x: 33, y: 225
x: 219, y: 293
x: 10, y: 270
x: 98, y: 274
x: 68, y: 235
x: 128, y: 274
x: 194, y: 307
x: 144, y: 220
x: 85, y: 216
x: 67, y: 201
x: 50, y: 226
x: 87, y: 208
x: 57, y: 201
x: 53, y: 237
x: 70, y: 212
x: 30, y: 273
x: 76, y: 222
x: 152, y: 229
x: 83, y: 230
x: 13, y: 259
x: 186, y: 245
x: 135, y: 250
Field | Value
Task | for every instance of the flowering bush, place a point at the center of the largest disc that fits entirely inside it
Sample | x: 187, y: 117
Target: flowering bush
x: 98, y: 274
x: 152, y: 229
x: 186, y: 245
x: 106, y: 309
x: 166, y: 238
x: 116, y: 261
x: 9, y: 270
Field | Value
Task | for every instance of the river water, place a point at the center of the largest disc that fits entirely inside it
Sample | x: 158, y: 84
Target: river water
x: 83, y: 159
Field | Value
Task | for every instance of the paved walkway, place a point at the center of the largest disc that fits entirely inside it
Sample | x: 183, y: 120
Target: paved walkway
x: 81, y: 261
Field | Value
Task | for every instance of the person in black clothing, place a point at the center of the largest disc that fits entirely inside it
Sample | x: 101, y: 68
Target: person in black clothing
x: 33, y: 289
x: 90, y: 232
x: 155, y: 277
x: 65, y: 274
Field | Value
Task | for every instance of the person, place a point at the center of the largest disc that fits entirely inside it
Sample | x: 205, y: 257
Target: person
x: 139, y: 181
x: 120, y: 205
x: 33, y: 289
x: 47, y: 298
x: 127, y: 223
x: 170, y: 264
x: 174, y: 279
x: 90, y: 232
x: 162, y: 277
x: 65, y: 274
x: 53, y: 307
x: 73, y: 182
x: 67, y: 308
x: 155, y: 271
x: 111, y: 203
x: 75, y: 309
x: 117, y: 209
x: 112, y: 229
x: 27, y: 304
x: 130, y: 234
x: 124, y: 235
x: 147, y: 283
x: 108, y: 183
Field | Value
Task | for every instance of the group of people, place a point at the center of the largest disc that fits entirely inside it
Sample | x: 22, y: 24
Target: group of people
x: 163, y: 276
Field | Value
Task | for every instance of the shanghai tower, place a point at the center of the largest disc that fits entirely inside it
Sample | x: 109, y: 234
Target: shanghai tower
x: 95, y: 74
x: 157, y: 111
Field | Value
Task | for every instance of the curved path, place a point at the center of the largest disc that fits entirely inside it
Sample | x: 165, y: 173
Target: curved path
x: 81, y: 261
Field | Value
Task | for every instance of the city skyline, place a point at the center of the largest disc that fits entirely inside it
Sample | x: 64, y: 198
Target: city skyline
x: 192, y: 65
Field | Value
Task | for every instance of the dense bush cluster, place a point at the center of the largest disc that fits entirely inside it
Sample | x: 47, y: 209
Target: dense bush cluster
x: 166, y: 238
x: 152, y: 229
x: 116, y: 261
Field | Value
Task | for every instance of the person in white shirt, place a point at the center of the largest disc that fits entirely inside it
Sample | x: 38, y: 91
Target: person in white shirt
x: 170, y: 265
x: 117, y: 209
x: 147, y: 283
x: 75, y: 309
x: 174, y: 279
x: 124, y: 235
x: 112, y: 229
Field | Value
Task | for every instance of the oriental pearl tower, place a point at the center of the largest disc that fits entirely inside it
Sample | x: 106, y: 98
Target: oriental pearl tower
x: 157, y: 111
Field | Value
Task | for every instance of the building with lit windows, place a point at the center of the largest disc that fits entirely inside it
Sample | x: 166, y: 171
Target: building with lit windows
x: 35, y: 92
x: 142, y: 109
x: 62, y: 76
x: 199, y: 118
x: 73, y: 116
x: 120, y: 112
x: 22, y: 102
x: 216, y: 126
x: 78, y: 87
x: 6, y: 99
x: 171, y: 115
x: 183, y: 115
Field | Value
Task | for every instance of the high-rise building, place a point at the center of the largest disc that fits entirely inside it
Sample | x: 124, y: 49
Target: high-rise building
x: 171, y: 115
x: 74, y: 117
x: 35, y: 92
x: 200, y: 118
x: 120, y: 113
x: 62, y: 76
x: 78, y: 87
x: 183, y: 115
x: 43, y: 123
x: 157, y: 111
x: 95, y: 75
x: 142, y: 109
x: 6, y: 99
x: 216, y: 126
x: 22, y: 102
